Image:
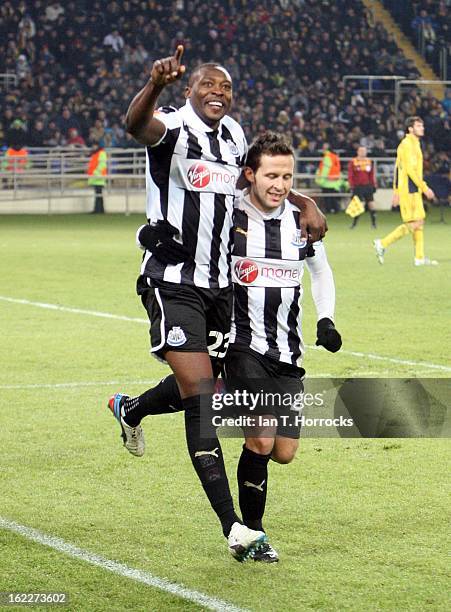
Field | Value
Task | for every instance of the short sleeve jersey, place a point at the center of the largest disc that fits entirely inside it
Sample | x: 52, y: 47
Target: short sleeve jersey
x: 191, y: 175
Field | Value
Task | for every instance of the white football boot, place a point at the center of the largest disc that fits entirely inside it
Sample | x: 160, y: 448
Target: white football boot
x: 133, y: 437
x: 425, y: 262
x: 244, y: 542
x: 379, y: 250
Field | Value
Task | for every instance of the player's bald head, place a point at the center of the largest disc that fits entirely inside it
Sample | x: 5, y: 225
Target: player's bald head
x: 200, y: 70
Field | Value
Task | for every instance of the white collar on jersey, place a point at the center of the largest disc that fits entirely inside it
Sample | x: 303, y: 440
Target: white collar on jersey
x: 193, y: 119
x: 247, y: 206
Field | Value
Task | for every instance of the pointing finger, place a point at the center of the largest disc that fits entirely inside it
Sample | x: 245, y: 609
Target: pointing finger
x: 178, y: 53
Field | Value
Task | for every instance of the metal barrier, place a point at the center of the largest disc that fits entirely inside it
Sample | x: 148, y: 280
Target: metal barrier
x: 55, y: 173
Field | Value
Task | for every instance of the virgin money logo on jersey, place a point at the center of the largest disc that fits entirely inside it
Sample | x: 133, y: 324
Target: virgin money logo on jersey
x: 199, y: 175
x: 266, y: 272
x: 246, y: 271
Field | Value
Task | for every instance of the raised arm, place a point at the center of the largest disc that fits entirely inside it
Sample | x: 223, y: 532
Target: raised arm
x: 140, y: 121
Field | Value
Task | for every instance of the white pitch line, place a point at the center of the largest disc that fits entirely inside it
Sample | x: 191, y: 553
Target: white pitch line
x: 210, y: 603
x: 92, y: 313
x: 80, y: 384
x: 432, y: 366
x: 107, y: 315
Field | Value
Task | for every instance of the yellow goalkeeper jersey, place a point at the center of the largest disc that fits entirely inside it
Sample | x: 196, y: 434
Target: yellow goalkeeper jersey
x: 408, y: 177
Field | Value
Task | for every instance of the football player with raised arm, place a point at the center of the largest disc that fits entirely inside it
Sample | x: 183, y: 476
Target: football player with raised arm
x: 194, y: 157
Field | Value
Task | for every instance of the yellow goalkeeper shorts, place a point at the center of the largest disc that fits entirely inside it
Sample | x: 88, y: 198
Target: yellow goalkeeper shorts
x: 411, y: 207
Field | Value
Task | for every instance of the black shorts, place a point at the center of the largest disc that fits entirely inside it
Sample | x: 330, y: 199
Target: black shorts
x: 246, y: 369
x: 364, y: 192
x: 186, y: 318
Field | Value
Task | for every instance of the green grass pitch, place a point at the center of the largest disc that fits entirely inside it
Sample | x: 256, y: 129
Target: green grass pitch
x: 359, y: 524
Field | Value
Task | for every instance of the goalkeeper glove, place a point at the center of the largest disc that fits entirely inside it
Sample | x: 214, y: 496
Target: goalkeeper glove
x: 327, y: 335
x: 158, y: 238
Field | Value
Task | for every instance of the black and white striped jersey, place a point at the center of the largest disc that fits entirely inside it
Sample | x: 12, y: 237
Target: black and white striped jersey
x: 267, y: 267
x: 191, y: 175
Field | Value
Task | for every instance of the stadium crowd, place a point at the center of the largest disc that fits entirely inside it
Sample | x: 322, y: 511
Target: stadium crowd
x: 427, y: 23
x: 79, y: 63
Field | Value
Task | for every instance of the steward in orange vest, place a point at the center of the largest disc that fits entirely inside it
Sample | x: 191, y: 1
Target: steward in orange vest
x: 97, y: 166
x: 16, y: 159
x: 328, y: 174
x: 97, y: 170
x: 329, y: 179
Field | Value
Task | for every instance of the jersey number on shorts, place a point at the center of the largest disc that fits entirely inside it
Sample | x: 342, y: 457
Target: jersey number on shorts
x: 220, y: 343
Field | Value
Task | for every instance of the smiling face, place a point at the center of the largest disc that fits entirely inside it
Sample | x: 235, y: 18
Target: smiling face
x: 271, y: 182
x: 210, y: 93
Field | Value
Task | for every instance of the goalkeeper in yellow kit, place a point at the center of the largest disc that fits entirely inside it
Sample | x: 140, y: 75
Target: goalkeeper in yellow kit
x: 409, y: 187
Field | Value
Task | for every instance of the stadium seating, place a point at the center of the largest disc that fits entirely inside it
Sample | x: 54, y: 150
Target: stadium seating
x: 427, y: 23
x: 79, y: 63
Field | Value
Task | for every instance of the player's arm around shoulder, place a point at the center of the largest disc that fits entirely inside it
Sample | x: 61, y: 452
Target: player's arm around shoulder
x: 140, y: 120
x: 313, y: 222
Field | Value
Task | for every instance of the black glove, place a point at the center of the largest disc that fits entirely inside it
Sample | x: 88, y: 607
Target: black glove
x: 158, y: 238
x: 328, y: 336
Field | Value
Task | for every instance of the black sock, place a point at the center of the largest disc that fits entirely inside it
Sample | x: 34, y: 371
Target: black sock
x: 162, y: 399
x: 354, y: 221
x: 206, y: 455
x: 373, y: 217
x: 252, y: 484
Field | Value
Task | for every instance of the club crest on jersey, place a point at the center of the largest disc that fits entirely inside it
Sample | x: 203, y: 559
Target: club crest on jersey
x: 198, y: 175
x: 246, y: 271
x: 232, y: 147
x: 176, y: 337
x: 297, y: 239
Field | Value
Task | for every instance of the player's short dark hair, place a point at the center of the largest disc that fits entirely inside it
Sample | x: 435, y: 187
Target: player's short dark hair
x: 410, y: 121
x: 268, y: 143
x: 209, y: 65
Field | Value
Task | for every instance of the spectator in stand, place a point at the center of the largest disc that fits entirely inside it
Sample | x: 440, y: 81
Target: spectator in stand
x: 27, y: 27
x: 446, y: 103
x: 74, y: 139
x: 22, y: 67
x: 7, y: 119
x: 54, y: 11
x: 67, y: 121
x: 56, y: 139
x: 439, y: 178
x: 97, y: 131
x: 422, y: 20
x: 16, y: 133
x: 38, y: 135
x: 114, y: 40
